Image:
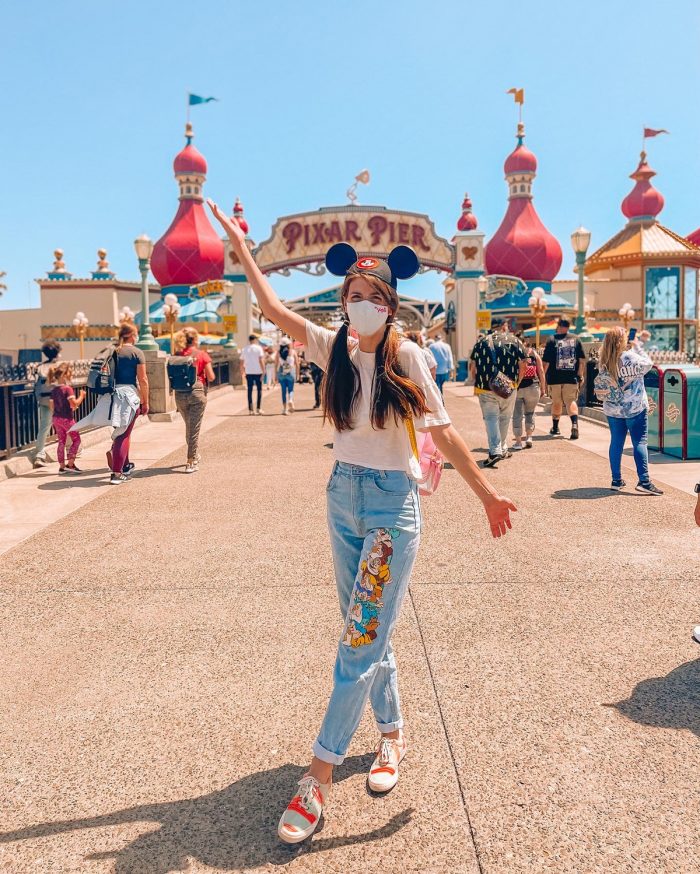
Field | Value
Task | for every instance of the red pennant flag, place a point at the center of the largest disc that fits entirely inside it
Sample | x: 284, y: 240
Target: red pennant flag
x: 650, y: 132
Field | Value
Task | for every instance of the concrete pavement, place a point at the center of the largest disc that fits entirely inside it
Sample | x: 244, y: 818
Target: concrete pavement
x: 168, y: 650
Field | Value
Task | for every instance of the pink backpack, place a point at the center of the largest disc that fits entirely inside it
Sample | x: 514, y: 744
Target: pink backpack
x: 426, y: 461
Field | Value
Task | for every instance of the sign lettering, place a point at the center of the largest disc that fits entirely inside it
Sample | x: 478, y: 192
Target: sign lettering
x: 305, y: 238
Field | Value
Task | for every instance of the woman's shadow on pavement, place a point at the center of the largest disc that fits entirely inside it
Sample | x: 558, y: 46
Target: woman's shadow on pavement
x: 233, y: 829
x: 672, y: 701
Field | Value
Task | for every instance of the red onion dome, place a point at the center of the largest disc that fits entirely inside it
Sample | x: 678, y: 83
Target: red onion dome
x: 522, y: 246
x: 643, y: 201
x: 238, y: 214
x: 520, y: 160
x: 694, y: 237
x: 190, y: 160
x: 190, y: 251
x: 467, y: 221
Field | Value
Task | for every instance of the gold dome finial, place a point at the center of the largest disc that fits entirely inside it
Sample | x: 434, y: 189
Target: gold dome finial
x: 59, y: 263
x: 189, y: 133
x: 102, y: 263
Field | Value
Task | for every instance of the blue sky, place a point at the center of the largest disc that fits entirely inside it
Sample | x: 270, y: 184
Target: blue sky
x: 93, y: 108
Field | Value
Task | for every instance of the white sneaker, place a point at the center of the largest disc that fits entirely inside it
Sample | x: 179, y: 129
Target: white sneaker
x: 528, y: 443
x: 696, y: 634
x: 290, y: 406
x: 517, y: 446
x: 258, y: 412
x: 191, y: 467
x: 303, y: 812
x: 384, y: 773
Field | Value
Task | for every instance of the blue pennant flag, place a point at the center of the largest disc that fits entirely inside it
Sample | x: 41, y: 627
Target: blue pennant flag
x: 195, y: 99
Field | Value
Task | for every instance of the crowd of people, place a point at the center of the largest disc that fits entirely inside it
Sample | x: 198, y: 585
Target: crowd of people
x: 383, y: 396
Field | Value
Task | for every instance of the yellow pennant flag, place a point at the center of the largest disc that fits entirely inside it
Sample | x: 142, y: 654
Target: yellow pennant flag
x: 518, y: 94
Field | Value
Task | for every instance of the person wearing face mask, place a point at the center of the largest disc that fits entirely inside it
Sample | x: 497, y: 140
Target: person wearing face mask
x: 373, y: 386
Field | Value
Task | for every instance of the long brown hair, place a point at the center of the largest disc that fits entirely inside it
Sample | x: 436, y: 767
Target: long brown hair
x: 614, y: 345
x: 392, y: 391
x: 58, y: 371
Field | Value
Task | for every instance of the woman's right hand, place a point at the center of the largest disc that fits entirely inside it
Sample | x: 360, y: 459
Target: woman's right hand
x: 230, y: 225
x: 498, y: 510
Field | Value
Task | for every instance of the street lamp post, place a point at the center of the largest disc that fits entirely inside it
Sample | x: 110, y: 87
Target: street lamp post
x: 538, y: 307
x: 171, y: 311
x: 627, y: 314
x: 230, y: 343
x: 80, y: 325
x: 580, y: 240
x: 144, y: 249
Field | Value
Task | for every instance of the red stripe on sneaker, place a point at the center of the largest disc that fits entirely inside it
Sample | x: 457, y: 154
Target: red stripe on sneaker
x: 296, y: 806
x: 385, y: 770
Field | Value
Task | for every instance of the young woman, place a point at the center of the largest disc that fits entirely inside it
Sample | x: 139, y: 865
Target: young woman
x: 192, y: 404
x: 620, y: 385
x: 371, y: 388
x: 130, y: 400
x: 531, y: 388
x: 286, y: 361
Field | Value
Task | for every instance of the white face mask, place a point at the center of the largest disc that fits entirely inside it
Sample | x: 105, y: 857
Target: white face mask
x: 367, y: 317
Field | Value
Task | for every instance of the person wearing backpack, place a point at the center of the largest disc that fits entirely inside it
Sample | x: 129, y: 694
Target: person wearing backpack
x: 286, y: 375
x: 191, y: 401
x: 564, y: 363
x: 620, y: 386
x: 376, y: 388
x: 129, y: 400
x: 51, y: 350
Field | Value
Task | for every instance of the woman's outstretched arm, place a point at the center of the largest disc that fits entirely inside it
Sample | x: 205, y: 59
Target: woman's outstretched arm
x: 271, y: 306
x: 456, y: 451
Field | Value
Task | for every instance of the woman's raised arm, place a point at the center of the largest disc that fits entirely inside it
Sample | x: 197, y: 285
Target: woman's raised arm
x: 271, y: 306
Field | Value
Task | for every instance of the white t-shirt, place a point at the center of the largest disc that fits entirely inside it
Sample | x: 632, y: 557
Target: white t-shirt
x: 253, y: 358
x: 385, y: 448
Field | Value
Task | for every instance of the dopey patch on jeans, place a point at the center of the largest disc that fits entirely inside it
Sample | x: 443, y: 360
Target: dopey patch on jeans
x: 366, y: 604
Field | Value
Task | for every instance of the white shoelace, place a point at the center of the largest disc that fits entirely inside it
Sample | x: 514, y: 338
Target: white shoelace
x: 384, y: 751
x: 306, y: 790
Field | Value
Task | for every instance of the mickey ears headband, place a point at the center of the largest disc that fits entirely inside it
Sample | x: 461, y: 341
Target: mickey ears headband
x: 402, y: 263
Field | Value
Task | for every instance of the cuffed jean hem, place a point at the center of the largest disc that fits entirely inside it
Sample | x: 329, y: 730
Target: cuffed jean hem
x: 386, y: 727
x: 326, y: 756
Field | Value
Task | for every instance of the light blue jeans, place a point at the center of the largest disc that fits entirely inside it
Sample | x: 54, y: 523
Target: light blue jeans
x: 497, y: 413
x: 374, y: 519
x: 45, y: 418
x: 638, y: 427
x: 286, y: 381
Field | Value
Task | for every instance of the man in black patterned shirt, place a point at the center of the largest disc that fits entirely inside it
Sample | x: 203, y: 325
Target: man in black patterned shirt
x: 499, y: 352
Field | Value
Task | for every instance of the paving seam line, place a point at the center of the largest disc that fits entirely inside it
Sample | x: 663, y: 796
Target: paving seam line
x: 462, y: 793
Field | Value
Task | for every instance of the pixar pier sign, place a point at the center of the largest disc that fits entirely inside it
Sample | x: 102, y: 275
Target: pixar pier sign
x: 303, y: 239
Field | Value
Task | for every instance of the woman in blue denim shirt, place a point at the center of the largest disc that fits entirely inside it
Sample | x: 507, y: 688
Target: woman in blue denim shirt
x: 373, y: 384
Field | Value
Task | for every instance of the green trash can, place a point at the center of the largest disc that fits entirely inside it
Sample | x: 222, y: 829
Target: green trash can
x: 680, y: 403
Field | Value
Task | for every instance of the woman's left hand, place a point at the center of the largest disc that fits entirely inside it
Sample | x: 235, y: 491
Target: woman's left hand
x: 498, y: 510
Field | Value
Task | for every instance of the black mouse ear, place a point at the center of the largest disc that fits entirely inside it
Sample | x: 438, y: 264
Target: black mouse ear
x: 404, y: 262
x: 340, y: 258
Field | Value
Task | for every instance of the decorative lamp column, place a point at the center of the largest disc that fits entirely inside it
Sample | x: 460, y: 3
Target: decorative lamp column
x: 538, y: 308
x: 171, y: 311
x: 80, y: 326
x: 144, y: 249
x: 580, y: 240
x: 627, y: 314
x: 126, y: 315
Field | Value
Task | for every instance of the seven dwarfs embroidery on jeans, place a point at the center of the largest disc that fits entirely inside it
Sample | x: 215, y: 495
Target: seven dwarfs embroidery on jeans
x: 375, y: 573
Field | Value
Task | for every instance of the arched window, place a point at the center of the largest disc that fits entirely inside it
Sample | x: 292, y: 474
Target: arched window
x: 522, y: 188
x: 188, y: 190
